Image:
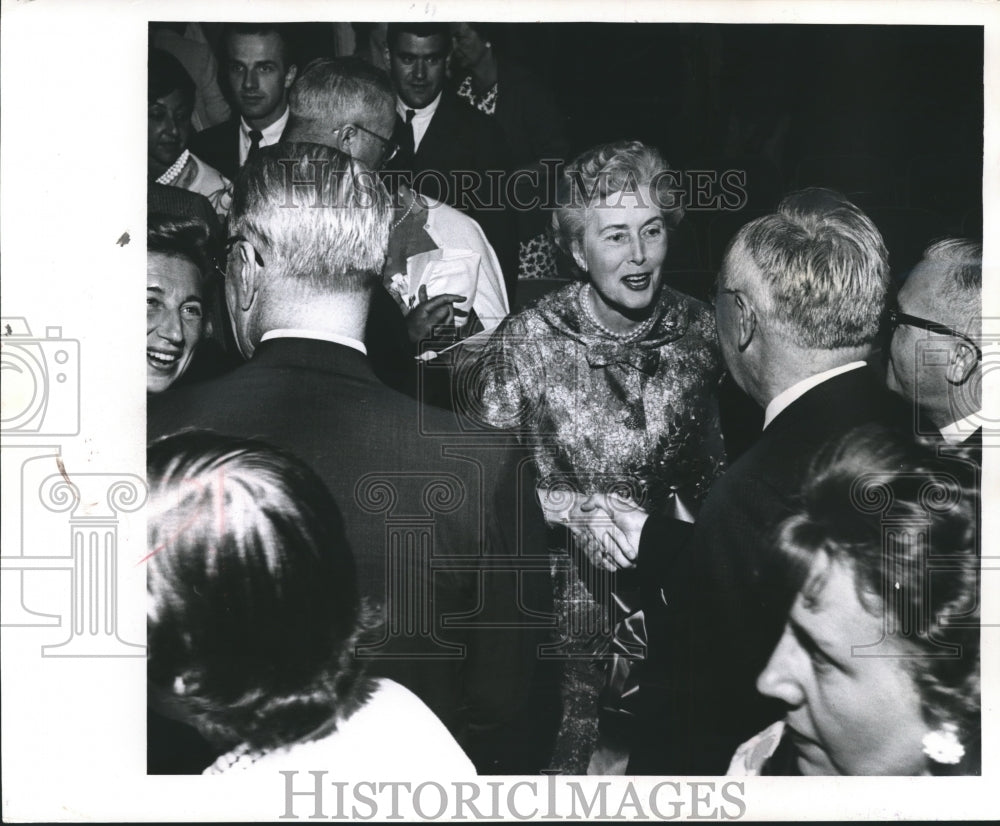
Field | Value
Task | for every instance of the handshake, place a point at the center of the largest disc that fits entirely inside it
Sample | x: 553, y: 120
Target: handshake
x: 606, y: 526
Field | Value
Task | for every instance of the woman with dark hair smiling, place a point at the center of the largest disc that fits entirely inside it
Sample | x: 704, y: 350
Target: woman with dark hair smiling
x: 177, y: 261
x: 879, y: 661
x: 253, y: 618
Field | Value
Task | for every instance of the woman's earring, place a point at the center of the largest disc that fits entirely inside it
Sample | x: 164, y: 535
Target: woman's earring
x: 943, y: 746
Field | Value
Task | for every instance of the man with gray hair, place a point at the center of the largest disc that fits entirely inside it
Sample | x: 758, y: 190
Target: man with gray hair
x: 939, y: 311
x: 798, y: 307
x: 426, y: 511
x: 349, y: 105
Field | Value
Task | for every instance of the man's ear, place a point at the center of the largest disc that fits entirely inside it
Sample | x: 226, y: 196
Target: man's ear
x: 345, y: 137
x: 578, y: 256
x: 962, y: 363
x: 291, y: 73
x: 746, y: 324
x: 248, y: 275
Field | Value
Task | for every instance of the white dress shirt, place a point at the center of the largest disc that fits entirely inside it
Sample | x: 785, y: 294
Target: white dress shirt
x: 421, y: 118
x: 271, y: 134
x: 790, y: 394
x: 957, y: 432
x: 320, y: 335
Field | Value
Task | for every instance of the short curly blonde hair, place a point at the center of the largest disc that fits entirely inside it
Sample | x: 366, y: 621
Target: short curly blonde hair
x: 605, y: 170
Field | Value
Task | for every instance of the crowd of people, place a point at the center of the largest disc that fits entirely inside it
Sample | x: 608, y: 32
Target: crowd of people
x: 402, y: 522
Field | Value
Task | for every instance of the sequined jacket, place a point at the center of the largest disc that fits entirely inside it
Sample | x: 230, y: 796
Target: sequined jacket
x: 639, y: 419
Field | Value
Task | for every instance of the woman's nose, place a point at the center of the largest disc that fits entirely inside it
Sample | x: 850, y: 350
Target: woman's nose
x: 638, y: 250
x: 171, y: 126
x: 779, y: 679
x: 171, y: 329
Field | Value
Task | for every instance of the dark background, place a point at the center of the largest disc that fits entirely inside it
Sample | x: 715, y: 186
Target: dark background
x: 890, y: 115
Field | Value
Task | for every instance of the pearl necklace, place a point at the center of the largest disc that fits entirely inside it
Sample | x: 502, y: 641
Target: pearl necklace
x: 403, y: 217
x: 170, y: 175
x: 625, y: 338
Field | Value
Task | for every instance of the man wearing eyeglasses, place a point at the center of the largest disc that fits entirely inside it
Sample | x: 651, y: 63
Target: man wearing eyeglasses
x: 348, y: 104
x: 446, y: 146
x: 934, y: 360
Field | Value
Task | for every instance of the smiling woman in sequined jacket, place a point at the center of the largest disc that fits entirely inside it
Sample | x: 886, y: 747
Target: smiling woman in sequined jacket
x: 613, y: 382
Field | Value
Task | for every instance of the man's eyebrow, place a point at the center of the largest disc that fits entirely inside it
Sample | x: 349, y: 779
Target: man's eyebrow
x: 427, y: 55
x: 154, y: 289
x: 192, y: 299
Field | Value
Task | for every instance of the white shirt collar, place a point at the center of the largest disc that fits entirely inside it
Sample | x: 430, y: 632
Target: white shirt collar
x: 790, y: 394
x: 320, y: 335
x: 957, y: 432
x: 270, y: 134
x: 421, y: 117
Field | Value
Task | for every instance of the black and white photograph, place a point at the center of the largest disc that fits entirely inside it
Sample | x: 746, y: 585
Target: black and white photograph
x: 570, y: 414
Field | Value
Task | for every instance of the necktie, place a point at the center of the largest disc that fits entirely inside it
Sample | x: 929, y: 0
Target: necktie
x: 404, y: 137
x: 255, y: 138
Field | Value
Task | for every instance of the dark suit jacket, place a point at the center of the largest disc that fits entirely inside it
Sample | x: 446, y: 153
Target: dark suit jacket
x: 414, y: 493
x: 460, y: 138
x: 717, y: 594
x: 219, y: 146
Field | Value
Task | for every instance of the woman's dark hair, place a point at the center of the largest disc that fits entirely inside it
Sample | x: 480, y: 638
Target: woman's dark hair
x: 186, y: 237
x: 904, y: 520
x: 167, y: 75
x: 253, y: 605
x: 495, y: 33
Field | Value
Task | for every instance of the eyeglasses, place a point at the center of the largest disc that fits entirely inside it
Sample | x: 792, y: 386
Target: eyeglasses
x: 231, y: 242
x: 721, y: 291
x: 895, y: 318
x: 391, y: 148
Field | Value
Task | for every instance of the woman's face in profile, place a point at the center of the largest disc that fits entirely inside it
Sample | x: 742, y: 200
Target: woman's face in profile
x: 174, y: 318
x: 622, y: 251
x: 854, y: 709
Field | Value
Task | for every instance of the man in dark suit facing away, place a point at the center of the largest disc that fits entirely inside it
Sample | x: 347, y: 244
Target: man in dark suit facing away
x: 799, y: 302
x: 442, y: 523
x: 447, y: 148
x: 260, y: 70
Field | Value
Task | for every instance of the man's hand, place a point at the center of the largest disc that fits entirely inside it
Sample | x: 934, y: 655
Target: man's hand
x: 607, y: 528
x: 430, y: 313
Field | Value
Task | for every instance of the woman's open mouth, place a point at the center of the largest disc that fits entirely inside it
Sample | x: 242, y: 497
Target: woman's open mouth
x: 162, y: 361
x: 638, y: 281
